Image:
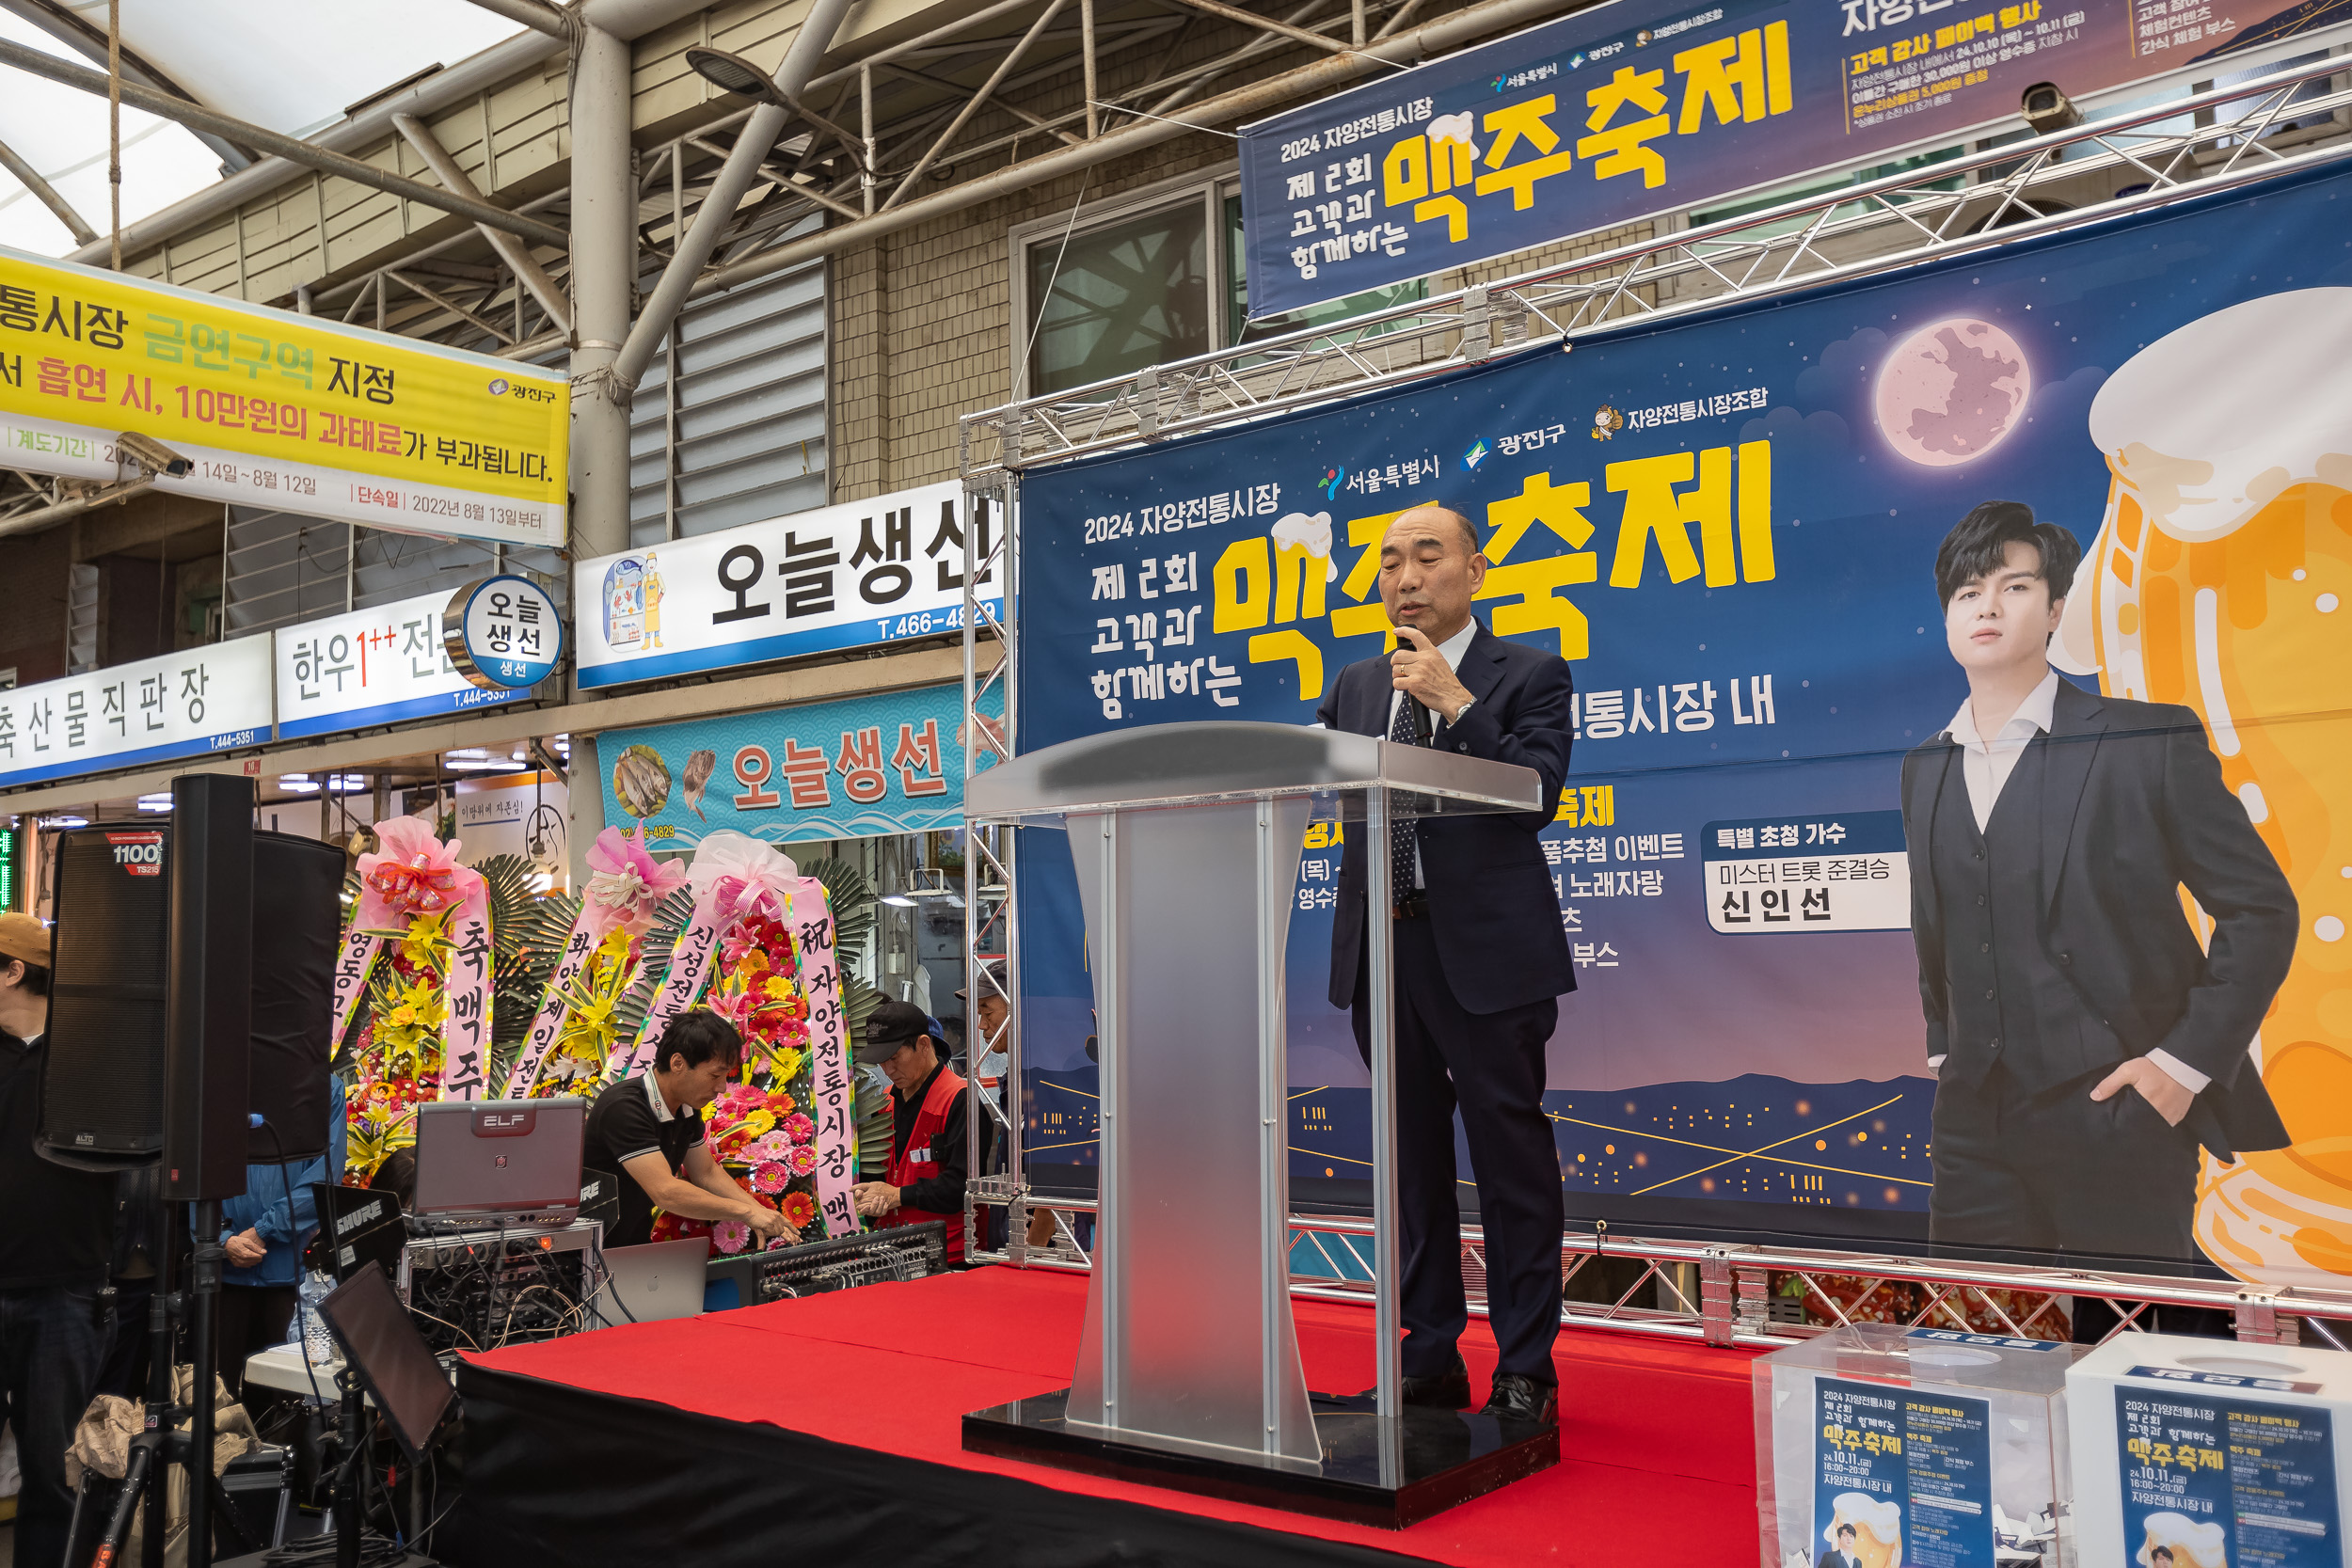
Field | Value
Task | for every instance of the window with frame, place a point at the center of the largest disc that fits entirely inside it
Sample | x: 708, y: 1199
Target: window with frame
x: 1147, y: 283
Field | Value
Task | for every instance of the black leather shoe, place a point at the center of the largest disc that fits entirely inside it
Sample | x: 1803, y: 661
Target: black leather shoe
x: 1521, y: 1398
x: 1446, y: 1391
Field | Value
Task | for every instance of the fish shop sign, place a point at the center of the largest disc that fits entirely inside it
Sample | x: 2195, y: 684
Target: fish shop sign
x: 885, y: 570
x: 891, y: 763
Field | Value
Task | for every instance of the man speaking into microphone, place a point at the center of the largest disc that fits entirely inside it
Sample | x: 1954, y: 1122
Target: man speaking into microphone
x: 1481, y: 963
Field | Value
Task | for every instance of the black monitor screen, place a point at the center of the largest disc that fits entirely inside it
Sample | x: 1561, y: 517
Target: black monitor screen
x: 391, y: 1357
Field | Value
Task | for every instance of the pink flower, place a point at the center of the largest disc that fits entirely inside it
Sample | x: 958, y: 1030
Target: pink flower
x: 416, y: 874
x: 626, y: 884
x: 798, y: 1128
x: 771, y: 1178
x: 730, y: 1235
x: 802, y: 1161
x: 773, y: 1146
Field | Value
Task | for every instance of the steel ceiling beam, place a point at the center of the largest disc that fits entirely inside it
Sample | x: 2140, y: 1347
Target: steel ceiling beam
x: 537, y: 15
x: 516, y: 255
x: 30, y: 178
x: 90, y: 43
x: 195, y: 117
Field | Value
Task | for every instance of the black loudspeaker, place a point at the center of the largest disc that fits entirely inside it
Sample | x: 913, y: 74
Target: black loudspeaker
x: 208, y: 1001
x: 102, y: 1103
x: 297, y: 910
x: 103, y: 1096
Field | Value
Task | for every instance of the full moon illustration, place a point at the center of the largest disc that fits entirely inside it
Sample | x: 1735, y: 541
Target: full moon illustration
x: 1951, y: 392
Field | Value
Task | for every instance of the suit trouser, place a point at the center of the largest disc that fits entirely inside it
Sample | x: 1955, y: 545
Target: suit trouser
x: 2057, y: 1171
x: 1491, y: 1066
x: 52, y: 1339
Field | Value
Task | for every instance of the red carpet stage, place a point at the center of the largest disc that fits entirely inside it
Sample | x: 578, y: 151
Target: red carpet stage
x: 827, y: 1430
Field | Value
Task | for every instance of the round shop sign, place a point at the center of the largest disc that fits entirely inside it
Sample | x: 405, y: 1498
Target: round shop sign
x: 502, y: 633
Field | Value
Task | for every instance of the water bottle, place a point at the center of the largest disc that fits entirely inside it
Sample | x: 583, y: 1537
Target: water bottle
x: 317, y: 1345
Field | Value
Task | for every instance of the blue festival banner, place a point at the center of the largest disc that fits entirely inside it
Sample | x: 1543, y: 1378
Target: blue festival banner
x: 1637, y: 107
x: 2227, y: 1478
x: 1728, y: 526
x: 891, y: 763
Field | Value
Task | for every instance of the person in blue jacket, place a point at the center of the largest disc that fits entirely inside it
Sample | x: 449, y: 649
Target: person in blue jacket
x: 265, y: 1230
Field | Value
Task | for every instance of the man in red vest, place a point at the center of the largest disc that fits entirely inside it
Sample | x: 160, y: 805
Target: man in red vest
x: 928, y: 1168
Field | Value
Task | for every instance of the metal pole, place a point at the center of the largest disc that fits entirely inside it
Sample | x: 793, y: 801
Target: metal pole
x: 752, y: 146
x: 1274, y: 1275
x: 1380, y: 993
x: 1086, y: 50
x: 1109, y: 1244
x: 29, y: 177
x: 604, y: 266
x: 516, y: 255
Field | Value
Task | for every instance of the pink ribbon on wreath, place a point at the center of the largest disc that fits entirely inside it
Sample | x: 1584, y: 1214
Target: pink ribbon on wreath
x: 415, y: 876
x: 733, y: 874
x: 626, y: 890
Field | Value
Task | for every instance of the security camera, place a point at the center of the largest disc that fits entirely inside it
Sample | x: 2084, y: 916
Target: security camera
x: 158, y: 460
x: 2047, y: 109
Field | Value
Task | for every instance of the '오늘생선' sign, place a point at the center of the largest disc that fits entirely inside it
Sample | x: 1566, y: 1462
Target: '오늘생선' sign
x: 277, y: 410
x: 1639, y: 108
x: 833, y: 576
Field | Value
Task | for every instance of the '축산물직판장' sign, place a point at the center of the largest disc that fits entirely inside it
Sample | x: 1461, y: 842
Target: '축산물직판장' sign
x: 891, y: 763
x: 372, y: 667
x: 215, y: 698
x: 833, y: 576
x: 297, y: 413
x: 1639, y: 108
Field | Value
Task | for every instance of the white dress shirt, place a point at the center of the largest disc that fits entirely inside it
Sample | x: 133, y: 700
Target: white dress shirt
x: 1451, y: 650
x: 1987, y: 764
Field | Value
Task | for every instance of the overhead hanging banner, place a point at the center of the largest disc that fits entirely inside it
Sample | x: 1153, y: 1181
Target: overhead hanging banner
x: 273, y: 409
x: 837, y: 577
x: 215, y: 698
x: 372, y: 667
x: 891, y: 763
x: 1626, y: 110
x: 1741, y: 573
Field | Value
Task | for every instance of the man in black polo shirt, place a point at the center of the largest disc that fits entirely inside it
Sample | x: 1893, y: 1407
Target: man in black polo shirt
x: 648, y: 1128
x: 57, y: 1236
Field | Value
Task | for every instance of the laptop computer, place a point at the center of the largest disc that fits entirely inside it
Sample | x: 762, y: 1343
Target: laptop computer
x: 658, y: 1280
x: 499, y: 1161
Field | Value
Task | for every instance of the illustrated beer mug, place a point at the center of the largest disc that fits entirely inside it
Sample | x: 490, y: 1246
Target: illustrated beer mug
x: 2190, y: 1544
x: 2221, y: 579
x: 1877, y: 1529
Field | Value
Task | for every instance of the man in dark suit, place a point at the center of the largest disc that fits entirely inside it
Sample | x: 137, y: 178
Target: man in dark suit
x: 2085, y: 1045
x: 1841, y: 1556
x: 1480, y: 961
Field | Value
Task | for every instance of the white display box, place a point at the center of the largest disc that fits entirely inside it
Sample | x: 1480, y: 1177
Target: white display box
x: 1934, y: 1448
x: 2202, y: 1453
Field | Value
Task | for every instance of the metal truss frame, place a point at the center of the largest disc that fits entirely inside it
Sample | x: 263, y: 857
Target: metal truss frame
x: 1981, y: 200
x: 1950, y: 208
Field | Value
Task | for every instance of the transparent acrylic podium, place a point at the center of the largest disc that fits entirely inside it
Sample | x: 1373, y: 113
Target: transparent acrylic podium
x: 1186, y: 841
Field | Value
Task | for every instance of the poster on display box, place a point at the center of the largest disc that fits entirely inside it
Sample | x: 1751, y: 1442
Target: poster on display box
x: 2212, y: 1478
x: 1640, y: 107
x: 1728, y: 527
x: 889, y: 762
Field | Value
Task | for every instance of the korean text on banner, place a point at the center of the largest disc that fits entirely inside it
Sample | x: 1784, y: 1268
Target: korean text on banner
x: 215, y: 698
x: 891, y: 763
x: 837, y: 577
x: 277, y: 410
x: 372, y: 667
x: 1639, y: 108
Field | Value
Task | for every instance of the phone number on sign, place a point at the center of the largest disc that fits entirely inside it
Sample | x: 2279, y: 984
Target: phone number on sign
x: 918, y: 625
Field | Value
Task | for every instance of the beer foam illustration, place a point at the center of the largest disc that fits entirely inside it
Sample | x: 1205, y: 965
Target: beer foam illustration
x: 1453, y: 128
x: 1310, y: 533
x: 1879, y: 1524
x: 2221, y: 577
x: 2210, y: 422
x: 2192, y: 1545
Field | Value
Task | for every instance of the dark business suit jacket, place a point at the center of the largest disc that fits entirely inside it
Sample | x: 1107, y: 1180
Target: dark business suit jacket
x: 1491, y: 904
x: 1834, y: 1558
x: 2134, y: 808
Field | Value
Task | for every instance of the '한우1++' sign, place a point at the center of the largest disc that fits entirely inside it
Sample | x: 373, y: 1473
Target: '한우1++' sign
x: 502, y: 632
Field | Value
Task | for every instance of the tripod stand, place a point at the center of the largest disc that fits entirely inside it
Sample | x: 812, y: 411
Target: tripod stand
x: 160, y: 1443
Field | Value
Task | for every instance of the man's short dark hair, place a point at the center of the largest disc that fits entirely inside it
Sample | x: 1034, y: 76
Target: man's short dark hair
x: 1845, y: 1530
x: 33, y: 982
x: 700, y: 1036
x: 1978, y: 543
x: 2155, y: 1552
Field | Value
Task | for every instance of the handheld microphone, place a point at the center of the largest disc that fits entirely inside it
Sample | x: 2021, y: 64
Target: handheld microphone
x: 1423, y: 725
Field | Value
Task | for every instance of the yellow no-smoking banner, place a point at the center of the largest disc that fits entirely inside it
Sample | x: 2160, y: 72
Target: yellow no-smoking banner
x: 273, y: 409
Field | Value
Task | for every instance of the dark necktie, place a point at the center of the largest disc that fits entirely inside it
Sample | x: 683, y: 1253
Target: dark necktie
x: 1403, y: 834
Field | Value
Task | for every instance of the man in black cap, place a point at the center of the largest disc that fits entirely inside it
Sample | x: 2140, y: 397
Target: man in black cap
x: 928, y: 1168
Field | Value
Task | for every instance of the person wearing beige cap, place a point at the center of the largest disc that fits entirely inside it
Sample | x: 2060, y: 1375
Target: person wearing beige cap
x: 57, y: 1231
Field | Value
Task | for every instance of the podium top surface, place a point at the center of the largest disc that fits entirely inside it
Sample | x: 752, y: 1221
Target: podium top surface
x: 1184, y: 765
